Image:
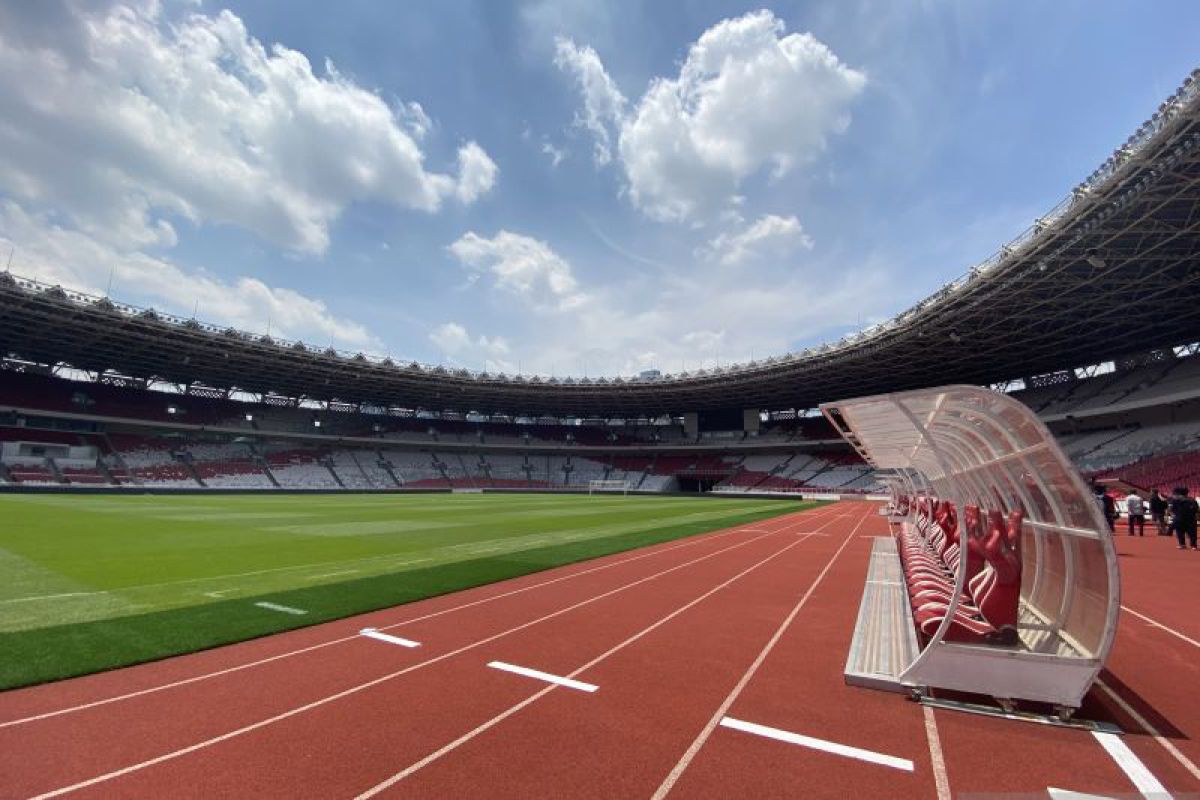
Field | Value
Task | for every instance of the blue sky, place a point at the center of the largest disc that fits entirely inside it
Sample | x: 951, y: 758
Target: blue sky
x: 561, y: 188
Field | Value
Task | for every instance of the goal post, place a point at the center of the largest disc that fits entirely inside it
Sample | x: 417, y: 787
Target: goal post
x: 608, y: 486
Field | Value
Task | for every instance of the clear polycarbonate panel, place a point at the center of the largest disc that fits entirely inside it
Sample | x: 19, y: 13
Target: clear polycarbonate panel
x: 1088, y: 614
x: 1044, y: 576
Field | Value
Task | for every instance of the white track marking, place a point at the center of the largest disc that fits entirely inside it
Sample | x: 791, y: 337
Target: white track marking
x: 823, y: 745
x: 677, y: 771
x: 373, y: 633
x: 1067, y: 794
x: 217, y: 595
x: 570, y: 683
x: 936, y: 758
x: 1132, y: 766
x: 107, y: 776
x: 281, y: 608
x: 496, y: 720
x: 1156, y: 624
x: 701, y: 539
x: 1149, y: 728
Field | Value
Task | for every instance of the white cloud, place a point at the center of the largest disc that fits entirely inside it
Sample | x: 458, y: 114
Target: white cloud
x: 667, y: 317
x: 748, y: 97
x: 556, y: 154
x: 476, y: 173
x: 524, y: 266
x: 603, y: 103
x: 457, y: 346
x: 450, y: 337
x: 771, y: 234
x: 701, y: 320
x: 56, y: 255
x: 124, y: 120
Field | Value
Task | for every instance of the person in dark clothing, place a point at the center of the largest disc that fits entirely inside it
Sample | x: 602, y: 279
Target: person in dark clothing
x: 1108, y: 506
x: 1184, y: 510
x: 1158, y: 512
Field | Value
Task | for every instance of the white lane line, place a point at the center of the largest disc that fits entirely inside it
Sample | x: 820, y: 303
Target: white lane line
x: 322, y: 701
x: 1156, y: 624
x: 570, y: 683
x: 823, y: 745
x: 677, y: 771
x: 1149, y: 728
x: 937, y: 760
x: 281, y: 609
x: 1067, y: 794
x: 645, y: 553
x: 373, y: 633
x: 1132, y: 766
x: 496, y: 720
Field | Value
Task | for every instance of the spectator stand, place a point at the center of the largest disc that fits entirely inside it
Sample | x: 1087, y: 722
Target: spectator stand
x: 1029, y: 612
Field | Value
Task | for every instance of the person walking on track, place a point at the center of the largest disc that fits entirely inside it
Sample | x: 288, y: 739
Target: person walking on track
x: 1158, y: 512
x: 1184, y: 511
x: 1137, y: 513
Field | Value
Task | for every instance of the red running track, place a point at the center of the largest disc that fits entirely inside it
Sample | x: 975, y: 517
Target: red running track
x: 749, y: 624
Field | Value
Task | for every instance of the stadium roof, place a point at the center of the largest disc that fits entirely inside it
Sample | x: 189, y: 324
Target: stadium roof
x: 1114, y: 269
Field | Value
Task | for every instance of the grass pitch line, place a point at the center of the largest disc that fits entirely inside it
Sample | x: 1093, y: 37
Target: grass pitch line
x: 1132, y: 766
x: 558, y: 680
x: 214, y: 578
x: 674, y: 775
x: 332, y: 574
x: 292, y: 712
x: 373, y: 633
x: 48, y: 597
x: 823, y: 745
x: 281, y: 608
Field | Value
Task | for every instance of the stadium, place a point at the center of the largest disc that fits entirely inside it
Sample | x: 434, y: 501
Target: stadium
x: 238, y: 564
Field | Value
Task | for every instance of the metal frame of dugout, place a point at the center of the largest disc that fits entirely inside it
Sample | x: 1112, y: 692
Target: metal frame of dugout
x: 973, y: 447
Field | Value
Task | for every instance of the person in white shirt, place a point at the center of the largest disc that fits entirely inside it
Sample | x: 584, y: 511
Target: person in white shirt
x: 1136, y: 510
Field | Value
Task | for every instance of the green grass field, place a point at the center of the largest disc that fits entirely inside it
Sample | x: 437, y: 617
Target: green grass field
x: 91, y: 582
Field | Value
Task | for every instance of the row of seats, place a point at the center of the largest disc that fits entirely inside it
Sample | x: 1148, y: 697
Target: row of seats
x: 933, y: 546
